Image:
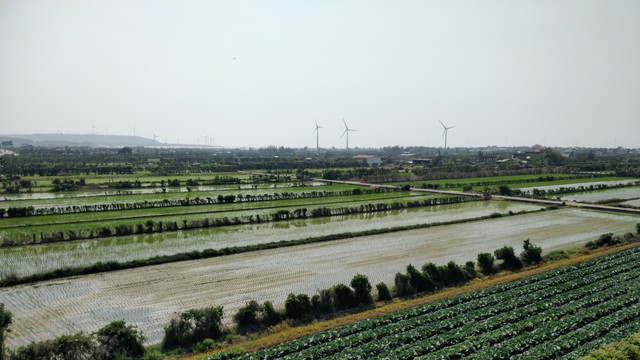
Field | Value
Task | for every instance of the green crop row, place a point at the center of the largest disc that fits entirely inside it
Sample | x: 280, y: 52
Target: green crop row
x: 542, y: 316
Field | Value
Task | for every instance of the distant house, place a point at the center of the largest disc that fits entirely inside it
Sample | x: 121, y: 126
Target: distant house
x: 371, y: 160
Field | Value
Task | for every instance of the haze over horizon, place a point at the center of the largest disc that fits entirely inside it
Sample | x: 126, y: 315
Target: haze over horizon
x: 259, y: 73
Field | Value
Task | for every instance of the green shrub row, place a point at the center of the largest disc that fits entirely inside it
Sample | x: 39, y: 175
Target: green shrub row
x: 117, y: 340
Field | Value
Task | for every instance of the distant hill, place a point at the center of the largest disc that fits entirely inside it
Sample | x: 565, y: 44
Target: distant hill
x: 78, y: 140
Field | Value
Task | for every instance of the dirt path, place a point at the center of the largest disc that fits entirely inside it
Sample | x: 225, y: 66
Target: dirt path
x: 148, y: 296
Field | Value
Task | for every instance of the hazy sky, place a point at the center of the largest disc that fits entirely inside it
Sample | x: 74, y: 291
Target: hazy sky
x: 259, y: 73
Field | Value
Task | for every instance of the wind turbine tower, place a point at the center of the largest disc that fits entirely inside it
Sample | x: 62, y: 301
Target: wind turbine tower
x: 444, y: 134
x: 346, y: 131
x: 318, y: 138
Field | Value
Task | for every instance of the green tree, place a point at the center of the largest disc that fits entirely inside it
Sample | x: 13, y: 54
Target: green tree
x: 418, y: 280
x: 298, y: 307
x: 247, y: 316
x: 126, y: 151
x: 454, y: 274
x: 193, y: 326
x: 383, y: 292
x: 323, y: 303
x: 509, y: 259
x: 66, y: 347
x: 362, y: 289
x: 434, y: 273
x: 402, y: 285
x: 532, y: 254
x: 470, y: 269
x: 5, y: 323
x: 485, y: 262
x: 120, y: 341
x: 343, y: 297
x: 504, y: 190
x: 271, y: 316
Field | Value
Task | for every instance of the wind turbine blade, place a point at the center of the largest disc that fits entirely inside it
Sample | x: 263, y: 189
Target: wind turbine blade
x: 443, y: 134
x: 442, y: 124
x: 344, y: 132
x: 345, y: 124
x: 451, y: 127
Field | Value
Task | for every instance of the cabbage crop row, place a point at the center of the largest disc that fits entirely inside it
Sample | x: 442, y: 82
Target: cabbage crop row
x: 565, y: 312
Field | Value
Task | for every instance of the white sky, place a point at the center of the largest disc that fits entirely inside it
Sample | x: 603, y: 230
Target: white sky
x: 259, y: 73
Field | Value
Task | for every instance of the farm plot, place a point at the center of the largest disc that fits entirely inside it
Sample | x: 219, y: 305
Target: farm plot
x: 621, y: 194
x: 148, y: 296
x: 562, y: 313
x: 128, y: 196
x: 633, y: 203
x: 29, y: 260
x: 586, y: 185
x: 179, y: 213
x: 513, y: 181
x: 106, y: 191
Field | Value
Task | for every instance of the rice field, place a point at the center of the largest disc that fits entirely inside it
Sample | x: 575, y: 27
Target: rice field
x: 585, y: 184
x: 32, y: 259
x: 148, y: 296
x: 108, y: 196
x: 21, y: 229
x: 626, y: 193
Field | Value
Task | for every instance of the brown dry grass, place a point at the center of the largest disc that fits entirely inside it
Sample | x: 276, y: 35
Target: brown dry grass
x: 285, y: 331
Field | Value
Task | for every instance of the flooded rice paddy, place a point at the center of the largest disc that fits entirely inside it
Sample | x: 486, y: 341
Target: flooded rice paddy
x: 148, y: 296
x: 584, y: 184
x: 27, y: 260
x: 626, y: 193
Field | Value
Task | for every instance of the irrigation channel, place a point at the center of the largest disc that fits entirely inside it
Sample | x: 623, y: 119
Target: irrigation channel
x: 147, y: 297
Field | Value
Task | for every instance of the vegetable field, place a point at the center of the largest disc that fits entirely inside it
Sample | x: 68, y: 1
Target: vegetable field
x: 562, y: 313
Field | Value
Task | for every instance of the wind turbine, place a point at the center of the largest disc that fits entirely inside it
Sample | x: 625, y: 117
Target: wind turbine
x: 154, y: 136
x: 346, y: 131
x: 317, y: 138
x: 444, y: 134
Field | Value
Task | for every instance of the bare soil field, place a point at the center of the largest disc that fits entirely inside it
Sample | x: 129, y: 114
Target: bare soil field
x: 148, y: 296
